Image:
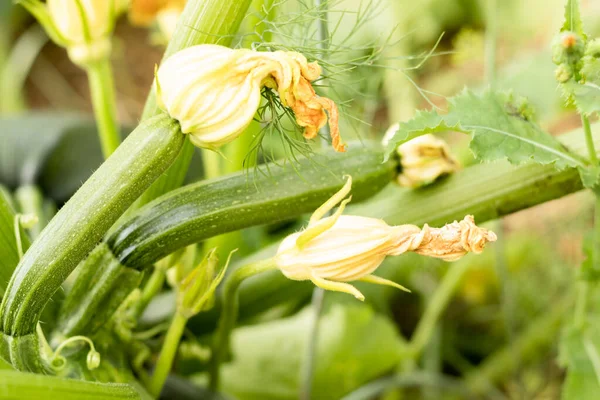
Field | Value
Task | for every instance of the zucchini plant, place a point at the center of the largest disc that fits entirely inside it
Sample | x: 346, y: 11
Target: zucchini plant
x: 137, y: 285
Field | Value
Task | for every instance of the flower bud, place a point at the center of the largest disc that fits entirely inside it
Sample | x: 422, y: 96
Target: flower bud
x: 563, y: 73
x: 590, y: 70
x: 196, y: 291
x: 568, y: 48
x: 214, y: 92
x: 83, y: 27
x: 339, y: 249
x: 423, y: 160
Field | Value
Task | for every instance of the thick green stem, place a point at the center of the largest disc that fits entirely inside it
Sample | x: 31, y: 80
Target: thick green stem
x: 17, y: 385
x: 83, y: 221
x: 229, y: 313
x: 167, y: 354
x: 435, y: 308
x: 102, y: 89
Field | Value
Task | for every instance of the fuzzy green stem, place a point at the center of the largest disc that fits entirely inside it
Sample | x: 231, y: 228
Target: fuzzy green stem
x: 436, y: 306
x: 229, y: 312
x: 167, y: 354
x: 589, y: 139
x: 102, y: 90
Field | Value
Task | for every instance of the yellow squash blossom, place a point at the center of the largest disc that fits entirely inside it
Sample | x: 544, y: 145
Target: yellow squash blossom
x: 423, y: 160
x: 214, y: 92
x: 338, y: 249
x: 83, y: 27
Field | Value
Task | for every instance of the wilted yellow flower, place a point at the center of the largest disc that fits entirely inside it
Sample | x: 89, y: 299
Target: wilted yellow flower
x: 214, y: 92
x: 423, y: 160
x: 338, y: 249
x: 83, y: 27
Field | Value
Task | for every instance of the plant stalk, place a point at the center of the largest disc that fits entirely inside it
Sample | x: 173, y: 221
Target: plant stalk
x: 589, y: 140
x: 102, y: 89
x: 318, y: 294
x: 167, y: 354
x: 435, y: 308
x: 229, y: 312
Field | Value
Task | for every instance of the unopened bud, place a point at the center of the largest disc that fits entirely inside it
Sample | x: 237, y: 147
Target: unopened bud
x: 93, y: 359
x: 568, y: 48
x: 214, y: 92
x: 423, y: 160
x: 590, y: 69
x: 563, y: 73
x: 28, y: 221
x: 83, y: 27
x: 197, y: 290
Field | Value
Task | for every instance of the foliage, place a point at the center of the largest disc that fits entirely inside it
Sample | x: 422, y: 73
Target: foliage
x: 348, y: 354
x: 117, y: 327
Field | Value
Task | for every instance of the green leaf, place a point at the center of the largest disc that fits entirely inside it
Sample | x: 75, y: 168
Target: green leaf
x: 590, y: 176
x: 25, y: 386
x: 8, y: 246
x: 580, y: 353
x: 586, y: 96
x: 573, y: 19
x: 501, y: 126
x: 356, y: 346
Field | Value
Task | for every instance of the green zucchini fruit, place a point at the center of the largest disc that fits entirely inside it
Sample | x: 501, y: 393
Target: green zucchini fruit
x: 84, y: 220
x: 275, y: 193
x: 202, y: 210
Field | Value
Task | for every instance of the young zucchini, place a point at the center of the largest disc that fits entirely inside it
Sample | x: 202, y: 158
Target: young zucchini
x: 199, y: 211
x: 81, y: 223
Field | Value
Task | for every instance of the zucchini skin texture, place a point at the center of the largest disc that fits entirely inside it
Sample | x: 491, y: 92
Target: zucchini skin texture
x: 199, y: 211
x: 82, y: 222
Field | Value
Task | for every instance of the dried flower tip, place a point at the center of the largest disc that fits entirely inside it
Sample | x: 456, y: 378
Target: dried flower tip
x: 214, y: 92
x: 454, y: 240
x: 423, y: 160
x: 338, y: 249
